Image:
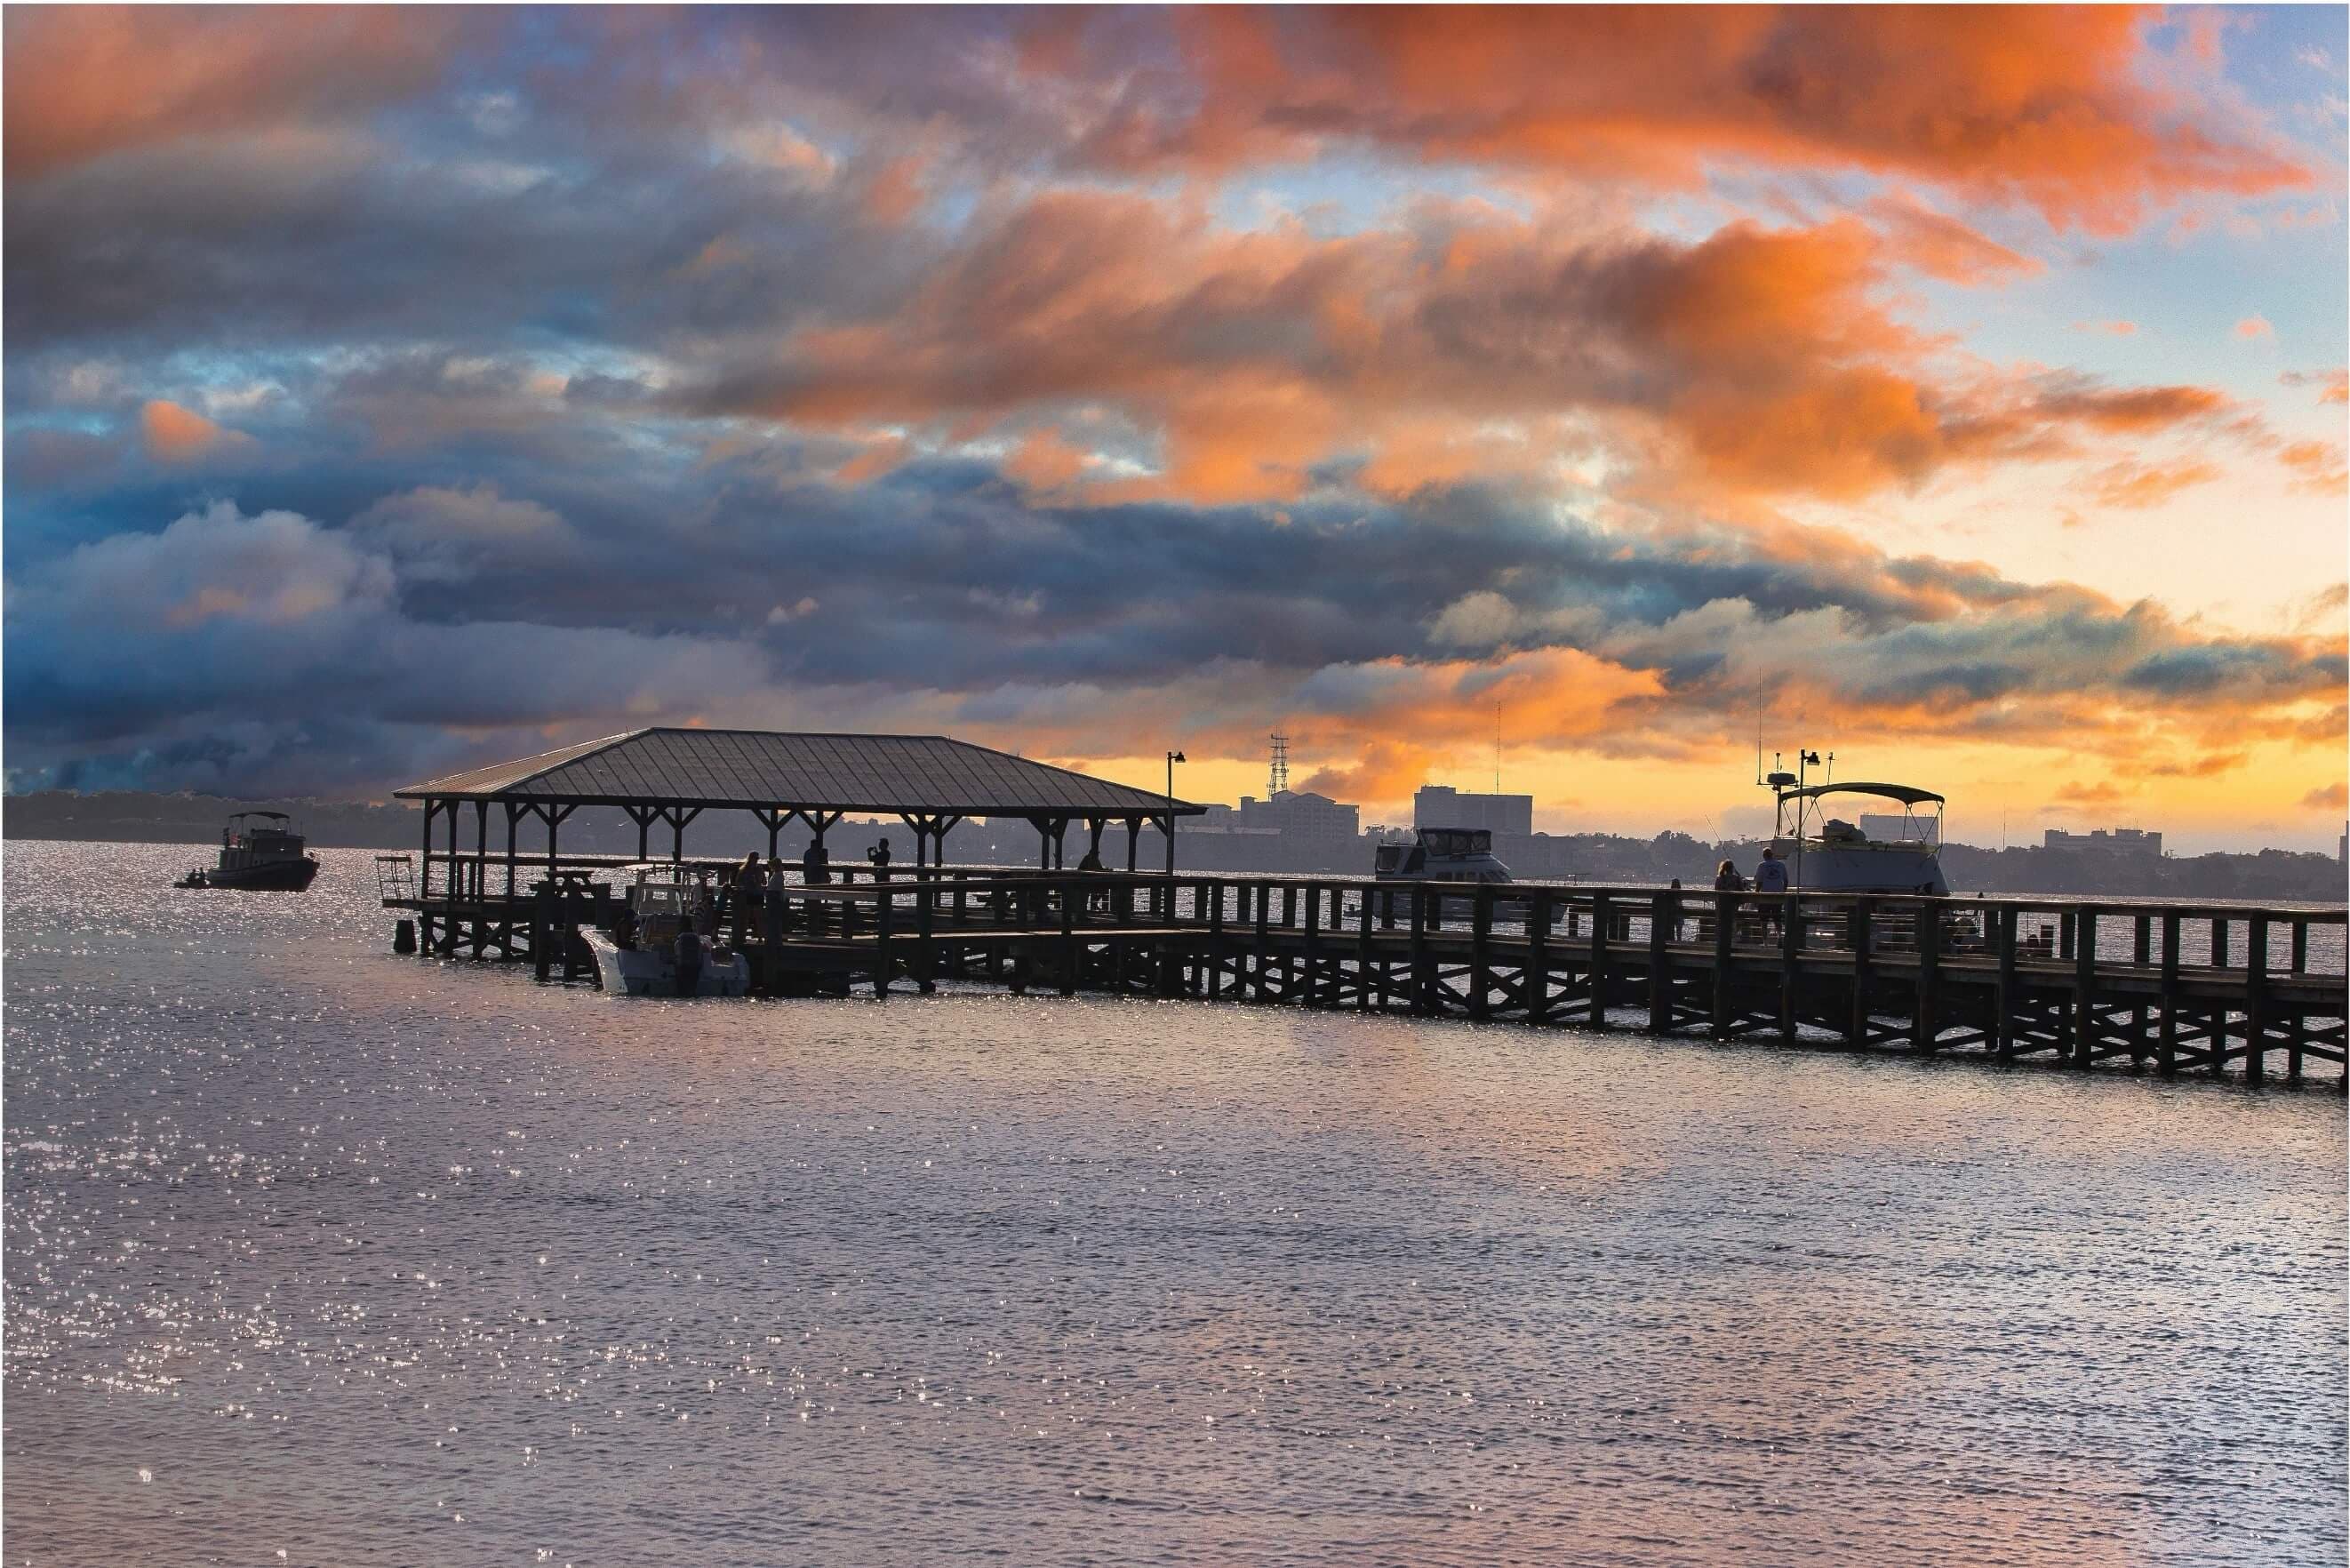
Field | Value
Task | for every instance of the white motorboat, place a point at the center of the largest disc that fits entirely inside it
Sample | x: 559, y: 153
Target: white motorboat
x: 661, y: 900
x: 1445, y: 854
x: 1441, y: 855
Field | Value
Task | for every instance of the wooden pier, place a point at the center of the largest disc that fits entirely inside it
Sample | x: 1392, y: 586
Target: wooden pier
x: 2234, y: 990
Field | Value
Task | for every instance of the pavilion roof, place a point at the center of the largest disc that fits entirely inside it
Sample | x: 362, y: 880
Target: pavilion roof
x: 754, y: 769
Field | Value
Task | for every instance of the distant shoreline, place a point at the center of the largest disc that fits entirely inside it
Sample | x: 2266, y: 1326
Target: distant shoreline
x: 128, y: 817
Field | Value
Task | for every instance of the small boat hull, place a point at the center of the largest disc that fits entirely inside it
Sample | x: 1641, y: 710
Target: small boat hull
x: 648, y: 972
x: 293, y: 875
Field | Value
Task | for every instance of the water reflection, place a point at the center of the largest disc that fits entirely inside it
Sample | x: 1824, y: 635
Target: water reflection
x: 379, y: 1261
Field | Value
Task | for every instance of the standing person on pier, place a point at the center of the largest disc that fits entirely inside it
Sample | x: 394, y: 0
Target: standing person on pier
x: 774, y: 902
x: 1771, y: 876
x: 815, y: 872
x: 750, y: 888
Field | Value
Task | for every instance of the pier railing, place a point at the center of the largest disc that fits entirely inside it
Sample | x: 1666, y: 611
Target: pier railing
x: 2171, y: 985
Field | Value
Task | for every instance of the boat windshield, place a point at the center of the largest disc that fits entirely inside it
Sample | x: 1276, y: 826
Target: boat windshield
x: 666, y: 891
x: 1456, y: 840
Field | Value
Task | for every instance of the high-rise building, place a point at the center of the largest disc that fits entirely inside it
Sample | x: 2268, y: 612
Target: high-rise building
x: 1441, y: 805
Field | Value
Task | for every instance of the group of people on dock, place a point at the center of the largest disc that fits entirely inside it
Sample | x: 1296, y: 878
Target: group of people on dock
x: 1770, y: 876
x: 762, y: 886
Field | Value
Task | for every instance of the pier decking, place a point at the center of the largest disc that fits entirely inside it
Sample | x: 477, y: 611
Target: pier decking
x: 2223, y: 989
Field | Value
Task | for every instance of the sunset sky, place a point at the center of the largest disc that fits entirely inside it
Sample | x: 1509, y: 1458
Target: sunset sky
x: 390, y: 391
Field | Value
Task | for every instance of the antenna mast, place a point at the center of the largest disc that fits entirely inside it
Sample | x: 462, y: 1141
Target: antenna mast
x: 1278, y: 779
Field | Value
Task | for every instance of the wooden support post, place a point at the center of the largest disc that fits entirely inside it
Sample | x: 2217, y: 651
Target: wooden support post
x: 1313, y: 891
x: 884, y: 911
x: 2002, y: 994
x: 1258, y: 957
x: 1480, y: 933
x: 1664, y: 920
x: 425, y: 865
x: 2256, y: 998
x: 481, y: 863
x: 1862, y: 924
x: 2218, y: 943
x: 1791, y: 947
x: 513, y: 811
x: 1536, y: 980
x: 1926, y: 1010
x: 2300, y: 944
x: 1387, y: 909
x: 2084, y: 985
x: 2141, y: 954
x: 2166, y: 1050
x: 1133, y: 837
x: 1068, y: 938
x: 542, y: 936
x: 926, y: 953
x: 1215, y: 891
x: 1599, y: 967
x: 1725, y: 921
x: 1363, y: 954
x: 1423, y: 999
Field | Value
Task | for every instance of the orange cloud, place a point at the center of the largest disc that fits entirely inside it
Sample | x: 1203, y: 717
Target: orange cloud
x: 2328, y: 797
x: 1045, y: 461
x: 86, y: 80
x: 2137, y: 485
x: 2116, y: 328
x: 1755, y: 361
x: 2332, y: 386
x: 874, y: 462
x: 2052, y: 106
x: 1948, y: 249
x: 2318, y: 466
x: 174, y: 434
x: 2254, y: 326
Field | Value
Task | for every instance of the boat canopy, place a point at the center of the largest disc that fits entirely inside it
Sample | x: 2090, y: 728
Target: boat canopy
x: 1902, y: 793
x: 274, y: 816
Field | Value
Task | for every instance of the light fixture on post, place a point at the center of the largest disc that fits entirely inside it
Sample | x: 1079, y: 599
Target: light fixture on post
x: 1172, y: 758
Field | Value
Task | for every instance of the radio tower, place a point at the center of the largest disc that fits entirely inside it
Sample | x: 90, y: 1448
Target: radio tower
x: 1278, y: 780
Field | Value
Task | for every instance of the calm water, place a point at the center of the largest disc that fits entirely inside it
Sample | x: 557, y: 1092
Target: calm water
x: 318, y: 1255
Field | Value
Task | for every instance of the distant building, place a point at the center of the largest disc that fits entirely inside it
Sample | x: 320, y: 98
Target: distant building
x: 2123, y: 843
x: 1885, y: 827
x: 1441, y: 805
x: 1316, y: 830
x: 1296, y: 830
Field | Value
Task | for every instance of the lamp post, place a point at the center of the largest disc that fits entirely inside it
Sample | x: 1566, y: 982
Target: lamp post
x: 1172, y: 758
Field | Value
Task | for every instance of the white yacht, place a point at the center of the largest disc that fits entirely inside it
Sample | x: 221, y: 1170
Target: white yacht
x: 1442, y: 855
x: 638, y: 957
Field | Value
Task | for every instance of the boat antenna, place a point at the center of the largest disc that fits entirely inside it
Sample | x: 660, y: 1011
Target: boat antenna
x: 1497, y: 748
